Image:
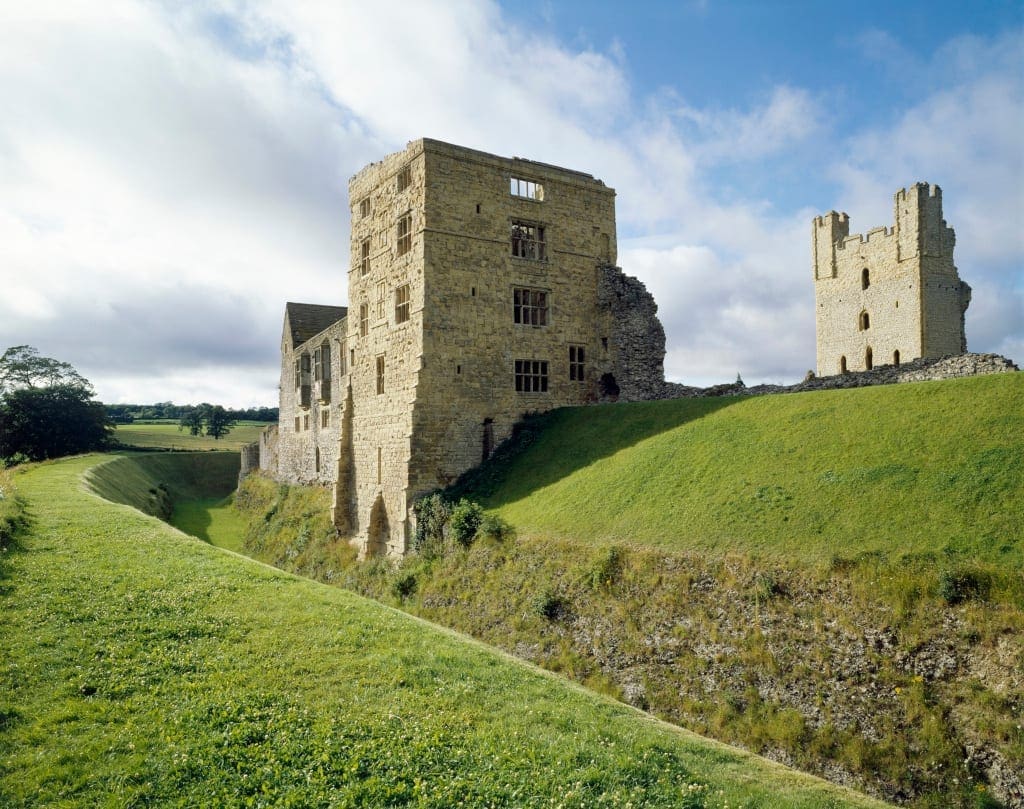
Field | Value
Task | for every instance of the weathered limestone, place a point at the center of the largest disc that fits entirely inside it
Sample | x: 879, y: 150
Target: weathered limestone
x: 480, y: 288
x: 891, y: 296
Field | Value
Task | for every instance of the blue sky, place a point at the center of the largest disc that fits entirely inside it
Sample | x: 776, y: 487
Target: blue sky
x: 172, y: 173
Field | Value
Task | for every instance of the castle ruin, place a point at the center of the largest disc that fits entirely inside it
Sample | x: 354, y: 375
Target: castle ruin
x: 891, y: 295
x: 480, y: 288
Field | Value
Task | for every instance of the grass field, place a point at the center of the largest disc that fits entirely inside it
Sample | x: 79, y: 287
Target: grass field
x: 141, y: 667
x: 164, y: 434
x: 934, y: 467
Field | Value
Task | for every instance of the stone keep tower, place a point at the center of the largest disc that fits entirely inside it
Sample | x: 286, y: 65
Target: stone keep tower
x: 891, y: 295
x: 480, y: 288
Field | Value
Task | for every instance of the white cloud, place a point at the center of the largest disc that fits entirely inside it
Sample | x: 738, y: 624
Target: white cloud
x: 170, y: 175
x: 966, y: 138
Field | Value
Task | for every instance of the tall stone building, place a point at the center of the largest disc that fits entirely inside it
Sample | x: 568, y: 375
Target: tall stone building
x: 480, y: 289
x: 891, y: 295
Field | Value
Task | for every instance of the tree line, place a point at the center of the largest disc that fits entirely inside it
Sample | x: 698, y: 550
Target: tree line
x: 48, y: 410
x: 128, y: 413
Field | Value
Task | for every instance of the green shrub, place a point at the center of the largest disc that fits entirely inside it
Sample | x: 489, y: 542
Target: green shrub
x: 964, y: 584
x: 549, y: 604
x: 465, y: 521
x: 607, y: 568
x: 432, y: 514
x: 493, y: 527
x: 404, y: 584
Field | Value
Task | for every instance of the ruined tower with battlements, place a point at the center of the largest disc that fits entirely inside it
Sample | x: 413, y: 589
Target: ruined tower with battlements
x: 480, y: 288
x: 889, y: 296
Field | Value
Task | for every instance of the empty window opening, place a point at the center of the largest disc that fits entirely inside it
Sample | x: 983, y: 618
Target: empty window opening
x: 608, y: 386
x: 325, y: 418
x: 488, y: 438
x: 528, y: 241
x: 478, y: 207
x: 351, y: 358
x: 868, y: 359
x: 527, y: 189
x: 405, y: 234
x: 897, y: 304
x: 865, y: 321
x: 472, y: 292
x: 531, y: 376
x: 380, y: 374
x: 316, y: 456
x: 402, y: 304
x: 896, y: 357
x: 529, y: 306
x: 364, y: 257
x: 576, y: 363
x: 378, y: 531
x: 364, y: 208
x: 458, y: 369
x: 364, y: 319
x: 865, y: 278
x: 842, y: 365
x: 604, y: 344
x: 404, y: 179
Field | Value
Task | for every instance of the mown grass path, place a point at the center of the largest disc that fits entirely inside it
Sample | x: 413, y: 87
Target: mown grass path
x: 142, y: 667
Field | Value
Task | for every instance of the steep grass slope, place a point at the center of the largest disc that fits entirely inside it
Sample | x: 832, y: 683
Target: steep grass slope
x: 138, y: 667
x: 934, y: 467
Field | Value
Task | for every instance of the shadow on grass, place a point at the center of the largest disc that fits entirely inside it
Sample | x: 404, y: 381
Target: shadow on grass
x: 547, y: 447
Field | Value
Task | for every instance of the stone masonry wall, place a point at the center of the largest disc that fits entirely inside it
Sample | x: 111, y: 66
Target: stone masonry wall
x: 635, y: 334
x: 891, y: 295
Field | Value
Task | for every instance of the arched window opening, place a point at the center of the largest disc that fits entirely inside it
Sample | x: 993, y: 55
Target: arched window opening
x: 378, y: 531
x: 865, y: 321
x: 896, y: 357
x: 868, y: 359
x: 865, y: 278
x: 842, y: 365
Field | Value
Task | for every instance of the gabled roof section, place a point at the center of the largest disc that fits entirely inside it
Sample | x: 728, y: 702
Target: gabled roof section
x: 304, y: 320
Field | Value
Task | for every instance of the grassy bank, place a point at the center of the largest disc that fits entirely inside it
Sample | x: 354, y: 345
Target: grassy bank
x: 140, y: 667
x: 851, y: 601
x: 928, y: 468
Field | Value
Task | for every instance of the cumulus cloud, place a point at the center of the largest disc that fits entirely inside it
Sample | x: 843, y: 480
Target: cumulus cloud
x: 964, y: 136
x: 171, y: 174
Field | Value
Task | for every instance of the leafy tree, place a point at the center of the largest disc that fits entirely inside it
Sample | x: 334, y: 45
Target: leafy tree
x: 192, y: 420
x: 47, y: 408
x: 214, y: 420
x: 218, y: 421
x: 52, y: 421
x: 22, y: 367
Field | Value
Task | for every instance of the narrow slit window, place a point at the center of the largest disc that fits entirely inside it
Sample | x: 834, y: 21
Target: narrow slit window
x: 380, y: 374
x: 865, y: 278
x: 364, y: 257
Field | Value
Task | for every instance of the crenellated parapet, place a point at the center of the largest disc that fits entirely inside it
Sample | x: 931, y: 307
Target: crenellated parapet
x: 891, y: 294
